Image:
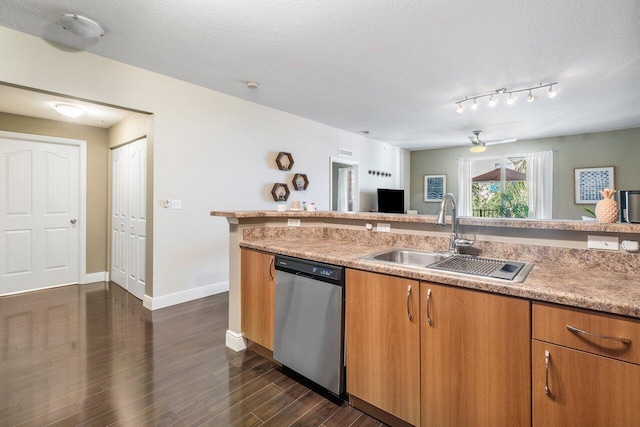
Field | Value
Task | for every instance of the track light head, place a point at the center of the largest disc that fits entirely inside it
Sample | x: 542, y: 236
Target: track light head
x: 551, y: 93
x: 530, y: 98
x: 512, y: 99
x: 474, y: 106
x: 492, y: 102
x: 460, y: 108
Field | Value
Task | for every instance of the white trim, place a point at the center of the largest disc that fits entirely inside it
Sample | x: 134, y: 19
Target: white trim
x: 44, y: 288
x: 82, y: 214
x: 235, y: 341
x: 100, y: 276
x: 155, y: 303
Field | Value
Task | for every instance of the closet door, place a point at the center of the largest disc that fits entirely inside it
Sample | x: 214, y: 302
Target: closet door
x: 128, y: 244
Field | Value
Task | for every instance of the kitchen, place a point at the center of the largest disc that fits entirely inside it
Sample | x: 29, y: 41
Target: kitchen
x: 189, y: 234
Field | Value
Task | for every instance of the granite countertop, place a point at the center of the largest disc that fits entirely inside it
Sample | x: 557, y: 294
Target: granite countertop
x: 614, y: 293
x: 568, y: 225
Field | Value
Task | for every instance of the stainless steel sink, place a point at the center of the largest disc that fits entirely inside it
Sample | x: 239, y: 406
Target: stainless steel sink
x: 411, y: 257
x: 454, y: 263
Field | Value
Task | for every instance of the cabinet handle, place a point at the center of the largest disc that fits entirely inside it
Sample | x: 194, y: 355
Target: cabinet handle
x: 270, y: 267
x: 429, y: 321
x: 409, y: 315
x: 575, y: 330
x: 547, y: 362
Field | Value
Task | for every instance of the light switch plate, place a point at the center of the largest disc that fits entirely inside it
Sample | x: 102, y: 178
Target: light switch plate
x: 383, y: 227
x: 176, y: 204
x: 293, y: 222
x: 607, y: 243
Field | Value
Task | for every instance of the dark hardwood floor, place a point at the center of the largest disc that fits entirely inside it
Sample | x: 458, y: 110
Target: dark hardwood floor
x: 91, y: 355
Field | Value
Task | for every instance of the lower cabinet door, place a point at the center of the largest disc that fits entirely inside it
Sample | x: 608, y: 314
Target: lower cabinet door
x: 476, y: 358
x: 383, y: 343
x: 575, y: 388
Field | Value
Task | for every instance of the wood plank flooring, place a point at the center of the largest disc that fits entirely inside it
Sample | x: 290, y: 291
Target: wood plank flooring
x: 91, y: 355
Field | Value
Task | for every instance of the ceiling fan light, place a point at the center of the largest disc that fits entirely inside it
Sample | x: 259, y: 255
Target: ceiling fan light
x: 69, y: 110
x: 551, y: 93
x: 478, y: 148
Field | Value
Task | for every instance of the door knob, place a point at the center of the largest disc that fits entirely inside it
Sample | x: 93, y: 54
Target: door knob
x: 73, y: 221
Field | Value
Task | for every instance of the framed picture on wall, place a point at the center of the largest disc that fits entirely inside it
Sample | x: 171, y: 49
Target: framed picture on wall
x: 435, y: 186
x: 589, y: 182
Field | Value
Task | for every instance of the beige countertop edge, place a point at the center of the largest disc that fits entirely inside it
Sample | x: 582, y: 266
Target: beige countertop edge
x: 612, y: 293
x: 568, y: 225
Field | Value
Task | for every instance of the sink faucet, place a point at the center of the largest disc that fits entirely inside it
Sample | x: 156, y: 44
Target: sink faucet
x: 455, y: 241
x: 453, y: 248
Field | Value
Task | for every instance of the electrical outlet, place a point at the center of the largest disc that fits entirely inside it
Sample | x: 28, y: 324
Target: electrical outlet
x: 293, y: 222
x: 383, y: 227
x: 176, y: 204
x: 607, y: 243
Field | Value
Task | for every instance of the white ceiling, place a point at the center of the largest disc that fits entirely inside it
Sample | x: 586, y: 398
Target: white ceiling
x: 37, y: 104
x: 394, y: 68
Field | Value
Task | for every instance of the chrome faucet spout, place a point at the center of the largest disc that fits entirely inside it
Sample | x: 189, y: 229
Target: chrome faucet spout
x: 453, y: 248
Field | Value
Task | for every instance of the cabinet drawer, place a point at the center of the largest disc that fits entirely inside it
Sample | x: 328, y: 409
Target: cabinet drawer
x: 602, y: 334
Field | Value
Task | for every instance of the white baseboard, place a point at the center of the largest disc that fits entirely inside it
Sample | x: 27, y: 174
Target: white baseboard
x: 155, y: 303
x: 101, y: 276
x: 235, y: 341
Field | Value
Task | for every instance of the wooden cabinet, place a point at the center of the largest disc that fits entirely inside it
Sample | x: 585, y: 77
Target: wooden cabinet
x: 383, y: 343
x: 257, y: 296
x: 581, y: 374
x: 475, y: 353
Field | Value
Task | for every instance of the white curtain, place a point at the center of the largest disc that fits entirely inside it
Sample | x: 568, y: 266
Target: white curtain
x: 540, y: 184
x: 465, y: 203
x: 344, y: 184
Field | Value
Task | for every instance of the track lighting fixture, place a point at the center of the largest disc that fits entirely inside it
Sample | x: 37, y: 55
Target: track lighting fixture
x: 495, y: 95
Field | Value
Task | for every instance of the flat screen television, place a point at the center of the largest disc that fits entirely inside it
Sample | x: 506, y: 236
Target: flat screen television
x: 390, y: 201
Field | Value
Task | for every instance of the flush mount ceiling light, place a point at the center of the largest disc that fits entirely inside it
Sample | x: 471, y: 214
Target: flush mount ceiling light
x: 69, y: 110
x: 493, y: 96
x: 81, y: 26
x: 252, y: 85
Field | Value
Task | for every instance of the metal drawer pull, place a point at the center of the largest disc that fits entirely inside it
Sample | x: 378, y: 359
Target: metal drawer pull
x: 409, y: 315
x: 547, y: 362
x: 575, y: 330
x: 270, y: 268
x: 429, y: 321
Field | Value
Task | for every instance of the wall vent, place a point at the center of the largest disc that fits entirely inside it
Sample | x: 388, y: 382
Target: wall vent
x: 343, y: 152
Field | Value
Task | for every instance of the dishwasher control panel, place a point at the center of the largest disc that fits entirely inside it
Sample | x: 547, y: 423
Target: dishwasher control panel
x: 327, y: 272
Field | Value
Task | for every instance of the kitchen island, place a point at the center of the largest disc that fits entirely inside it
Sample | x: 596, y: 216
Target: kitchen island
x: 493, y: 331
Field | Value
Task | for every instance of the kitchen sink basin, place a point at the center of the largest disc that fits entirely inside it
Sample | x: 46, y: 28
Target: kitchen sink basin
x: 455, y: 263
x: 410, y: 257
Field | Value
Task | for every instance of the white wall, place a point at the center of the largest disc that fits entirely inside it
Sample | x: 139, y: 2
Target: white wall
x: 213, y: 151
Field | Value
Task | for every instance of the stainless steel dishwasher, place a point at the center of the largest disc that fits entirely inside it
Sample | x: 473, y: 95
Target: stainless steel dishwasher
x: 309, y: 320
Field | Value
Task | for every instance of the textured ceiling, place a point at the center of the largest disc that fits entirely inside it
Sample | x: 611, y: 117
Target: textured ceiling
x: 394, y: 68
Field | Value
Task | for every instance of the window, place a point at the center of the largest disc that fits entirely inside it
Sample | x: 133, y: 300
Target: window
x: 499, y: 187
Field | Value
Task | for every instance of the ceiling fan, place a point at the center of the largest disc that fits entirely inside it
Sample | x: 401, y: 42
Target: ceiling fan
x: 479, y: 145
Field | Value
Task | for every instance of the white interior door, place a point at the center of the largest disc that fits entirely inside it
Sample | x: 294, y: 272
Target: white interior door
x: 128, y: 253
x: 39, y: 206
